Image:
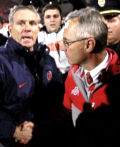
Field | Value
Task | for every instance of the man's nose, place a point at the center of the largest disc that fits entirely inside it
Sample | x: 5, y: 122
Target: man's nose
x: 52, y: 18
x: 27, y: 25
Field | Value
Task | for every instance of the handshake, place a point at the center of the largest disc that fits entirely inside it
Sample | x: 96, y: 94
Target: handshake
x: 23, y: 132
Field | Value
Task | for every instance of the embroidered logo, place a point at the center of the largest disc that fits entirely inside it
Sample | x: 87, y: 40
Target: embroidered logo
x: 49, y: 75
x: 22, y: 85
x: 75, y: 91
x: 101, y: 3
x: 93, y: 104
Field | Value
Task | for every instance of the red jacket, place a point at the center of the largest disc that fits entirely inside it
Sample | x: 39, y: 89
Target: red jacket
x: 73, y: 94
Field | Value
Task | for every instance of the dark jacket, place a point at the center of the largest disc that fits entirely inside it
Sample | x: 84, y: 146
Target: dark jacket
x: 115, y: 47
x: 100, y: 127
x: 24, y: 76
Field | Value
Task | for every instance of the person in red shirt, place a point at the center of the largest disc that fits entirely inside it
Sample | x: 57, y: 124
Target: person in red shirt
x: 93, y: 68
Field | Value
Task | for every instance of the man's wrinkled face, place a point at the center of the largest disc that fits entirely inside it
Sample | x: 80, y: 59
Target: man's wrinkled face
x: 52, y: 20
x: 73, y: 47
x: 25, y: 28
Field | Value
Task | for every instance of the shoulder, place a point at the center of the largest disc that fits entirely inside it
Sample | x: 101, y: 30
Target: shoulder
x: 43, y: 51
x: 2, y: 48
x: 41, y: 35
x: 73, y: 68
x: 43, y: 30
x: 3, y: 52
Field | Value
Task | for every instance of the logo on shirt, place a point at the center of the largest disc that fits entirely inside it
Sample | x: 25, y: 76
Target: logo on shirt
x: 75, y: 91
x: 22, y: 85
x: 49, y: 75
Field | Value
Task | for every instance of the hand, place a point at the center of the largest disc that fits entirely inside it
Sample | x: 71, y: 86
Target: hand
x: 23, y: 132
x: 25, y: 126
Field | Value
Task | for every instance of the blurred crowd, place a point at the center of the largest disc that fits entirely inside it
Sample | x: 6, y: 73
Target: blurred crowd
x: 39, y: 4
x: 70, y: 4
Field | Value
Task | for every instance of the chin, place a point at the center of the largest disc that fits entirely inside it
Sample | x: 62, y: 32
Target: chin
x: 27, y: 45
x: 70, y: 62
x: 52, y: 30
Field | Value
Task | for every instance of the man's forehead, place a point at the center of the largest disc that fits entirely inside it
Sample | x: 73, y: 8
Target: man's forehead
x: 25, y: 12
x: 30, y: 15
x: 51, y: 11
x: 72, y: 22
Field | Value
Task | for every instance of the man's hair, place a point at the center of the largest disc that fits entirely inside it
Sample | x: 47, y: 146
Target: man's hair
x: 51, y: 6
x: 90, y: 24
x: 16, y: 8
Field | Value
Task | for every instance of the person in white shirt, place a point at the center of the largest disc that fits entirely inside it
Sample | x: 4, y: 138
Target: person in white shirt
x: 52, y: 35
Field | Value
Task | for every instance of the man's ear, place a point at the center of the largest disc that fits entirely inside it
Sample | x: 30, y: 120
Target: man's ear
x: 90, y: 44
x: 9, y: 29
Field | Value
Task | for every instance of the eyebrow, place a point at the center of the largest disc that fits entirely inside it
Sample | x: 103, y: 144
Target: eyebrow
x: 64, y: 38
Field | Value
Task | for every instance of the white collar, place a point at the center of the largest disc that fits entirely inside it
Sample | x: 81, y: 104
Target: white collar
x: 95, y: 72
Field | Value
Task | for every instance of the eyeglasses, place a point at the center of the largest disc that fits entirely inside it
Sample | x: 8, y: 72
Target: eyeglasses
x: 68, y: 43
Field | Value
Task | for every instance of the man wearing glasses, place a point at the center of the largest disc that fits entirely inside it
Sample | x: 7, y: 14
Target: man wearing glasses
x: 94, y: 70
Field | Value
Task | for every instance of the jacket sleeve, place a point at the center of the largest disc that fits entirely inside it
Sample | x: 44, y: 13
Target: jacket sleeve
x: 7, y: 123
x: 66, y: 99
x: 7, y: 126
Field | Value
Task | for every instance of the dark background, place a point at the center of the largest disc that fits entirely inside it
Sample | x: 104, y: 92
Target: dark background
x: 5, y: 5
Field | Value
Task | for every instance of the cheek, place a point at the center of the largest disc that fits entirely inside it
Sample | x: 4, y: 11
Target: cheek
x: 74, y: 57
x: 115, y: 30
x: 36, y: 33
x: 72, y: 53
x: 77, y: 53
x: 15, y: 34
x: 58, y: 21
x: 46, y: 22
x: 117, y: 27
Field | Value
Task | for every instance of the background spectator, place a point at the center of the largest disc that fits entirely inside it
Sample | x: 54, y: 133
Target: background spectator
x: 110, y: 9
x: 52, y: 35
